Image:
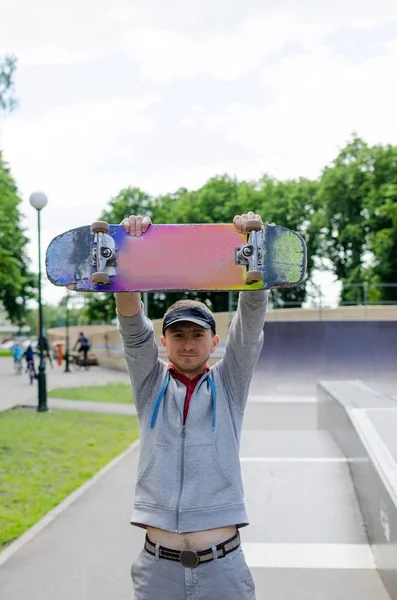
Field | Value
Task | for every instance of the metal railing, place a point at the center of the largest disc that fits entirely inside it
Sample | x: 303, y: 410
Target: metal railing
x: 317, y: 299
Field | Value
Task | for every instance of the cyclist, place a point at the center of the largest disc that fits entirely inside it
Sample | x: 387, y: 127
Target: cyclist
x: 17, y: 352
x: 84, y: 346
x: 29, y: 357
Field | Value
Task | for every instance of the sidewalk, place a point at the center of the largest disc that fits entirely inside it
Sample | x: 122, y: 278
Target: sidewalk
x: 16, y: 389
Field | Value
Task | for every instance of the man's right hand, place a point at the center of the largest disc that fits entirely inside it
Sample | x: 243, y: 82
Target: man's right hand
x: 135, y: 225
x: 129, y: 303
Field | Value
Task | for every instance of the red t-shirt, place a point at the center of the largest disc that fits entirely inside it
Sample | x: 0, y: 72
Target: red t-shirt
x: 190, y: 386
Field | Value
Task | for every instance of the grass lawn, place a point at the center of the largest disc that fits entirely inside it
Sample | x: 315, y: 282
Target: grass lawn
x: 46, y: 456
x: 111, y: 392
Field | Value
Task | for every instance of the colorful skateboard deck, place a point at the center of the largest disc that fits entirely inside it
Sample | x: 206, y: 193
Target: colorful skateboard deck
x: 176, y: 257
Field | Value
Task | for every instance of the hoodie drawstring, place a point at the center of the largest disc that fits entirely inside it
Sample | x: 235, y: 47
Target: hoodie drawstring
x: 162, y: 394
x: 158, y: 401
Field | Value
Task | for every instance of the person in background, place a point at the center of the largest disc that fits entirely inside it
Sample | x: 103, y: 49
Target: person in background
x: 82, y: 346
x: 17, y: 353
x: 29, y: 357
x: 46, y: 349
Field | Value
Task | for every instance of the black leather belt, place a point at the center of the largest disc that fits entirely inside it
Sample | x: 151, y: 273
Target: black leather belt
x: 190, y: 558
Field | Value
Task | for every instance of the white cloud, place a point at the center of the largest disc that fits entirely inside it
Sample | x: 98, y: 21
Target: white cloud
x: 317, y: 101
x: 164, y: 55
x: 162, y: 36
x: 79, y: 135
x: 48, y: 33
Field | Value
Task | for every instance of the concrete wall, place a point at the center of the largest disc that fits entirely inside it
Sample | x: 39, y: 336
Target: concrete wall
x: 363, y: 423
x: 330, y: 349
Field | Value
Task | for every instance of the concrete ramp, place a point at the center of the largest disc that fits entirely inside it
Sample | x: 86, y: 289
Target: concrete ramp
x: 296, y: 354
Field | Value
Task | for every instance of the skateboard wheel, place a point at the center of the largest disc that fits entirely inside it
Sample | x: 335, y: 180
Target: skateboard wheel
x: 253, y: 225
x: 253, y: 276
x: 100, y: 227
x: 100, y: 277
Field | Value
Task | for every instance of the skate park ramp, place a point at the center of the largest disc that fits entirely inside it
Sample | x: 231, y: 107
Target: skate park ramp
x: 297, y: 354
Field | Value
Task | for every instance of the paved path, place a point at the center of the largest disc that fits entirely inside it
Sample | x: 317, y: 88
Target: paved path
x: 16, y: 389
x: 306, y: 539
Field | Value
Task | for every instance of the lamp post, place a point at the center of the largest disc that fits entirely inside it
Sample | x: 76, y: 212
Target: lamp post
x: 67, y: 369
x: 19, y: 302
x: 39, y: 200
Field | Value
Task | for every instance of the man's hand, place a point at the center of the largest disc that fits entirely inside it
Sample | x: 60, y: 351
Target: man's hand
x: 129, y: 303
x: 135, y: 225
x: 240, y: 221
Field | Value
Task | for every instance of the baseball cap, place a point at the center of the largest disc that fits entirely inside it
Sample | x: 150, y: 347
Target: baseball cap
x: 194, y: 314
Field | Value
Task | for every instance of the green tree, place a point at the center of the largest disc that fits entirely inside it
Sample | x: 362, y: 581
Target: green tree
x: 100, y: 308
x: 343, y: 188
x: 7, y: 72
x: 15, y: 278
x: 358, y: 219
x: 55, y: 316
x: 129, y: 201
x: 293, y: 204
x: 381, y: 213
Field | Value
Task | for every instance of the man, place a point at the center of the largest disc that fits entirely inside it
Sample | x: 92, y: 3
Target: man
x: 84, y: 347
x: 189, y: 494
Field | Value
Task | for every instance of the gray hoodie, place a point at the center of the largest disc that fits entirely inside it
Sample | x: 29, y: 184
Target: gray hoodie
x: 189, y: 476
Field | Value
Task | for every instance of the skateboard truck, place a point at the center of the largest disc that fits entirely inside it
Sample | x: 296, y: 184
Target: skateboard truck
x: 251, y: 254
x: 104, y: 255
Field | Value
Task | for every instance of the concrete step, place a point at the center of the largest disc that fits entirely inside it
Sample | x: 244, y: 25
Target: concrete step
x: 281, y: 412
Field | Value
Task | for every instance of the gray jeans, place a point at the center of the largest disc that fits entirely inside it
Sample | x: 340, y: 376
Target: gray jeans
x: 160, y: 579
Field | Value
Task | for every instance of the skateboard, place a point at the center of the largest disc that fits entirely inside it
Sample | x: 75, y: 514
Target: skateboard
x: 206, y: 257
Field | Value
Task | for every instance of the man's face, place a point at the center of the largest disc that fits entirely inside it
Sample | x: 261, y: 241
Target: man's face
x: 188, y: 346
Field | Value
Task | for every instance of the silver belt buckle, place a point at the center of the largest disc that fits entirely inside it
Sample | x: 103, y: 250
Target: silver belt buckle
x: 189, y: 558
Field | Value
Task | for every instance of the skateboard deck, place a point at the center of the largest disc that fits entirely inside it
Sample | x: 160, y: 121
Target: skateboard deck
x: 206, y: 257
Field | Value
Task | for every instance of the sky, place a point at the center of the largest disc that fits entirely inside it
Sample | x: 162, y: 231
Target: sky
x: 163, y: 94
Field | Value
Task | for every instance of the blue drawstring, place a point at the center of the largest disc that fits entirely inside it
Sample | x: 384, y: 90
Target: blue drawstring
x: 158, y: 401
x: 162, y: 394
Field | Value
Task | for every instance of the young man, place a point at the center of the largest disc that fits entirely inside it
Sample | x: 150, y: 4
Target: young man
x: 189, y: 494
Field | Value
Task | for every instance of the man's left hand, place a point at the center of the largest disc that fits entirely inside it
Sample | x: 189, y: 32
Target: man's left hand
x: 240, y: 221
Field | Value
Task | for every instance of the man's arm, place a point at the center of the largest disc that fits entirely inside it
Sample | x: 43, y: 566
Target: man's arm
x: 139, y: 345
x: 244, y: 344
x: 245, y: 339
x: 136, y: 330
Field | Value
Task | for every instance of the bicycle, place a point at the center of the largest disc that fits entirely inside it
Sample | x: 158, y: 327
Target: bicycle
x: 31, y: 371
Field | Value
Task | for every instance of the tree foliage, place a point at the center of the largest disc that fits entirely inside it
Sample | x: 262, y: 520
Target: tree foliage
x: 358, y: 220
x: 7, y: 72
x: 15, y: 278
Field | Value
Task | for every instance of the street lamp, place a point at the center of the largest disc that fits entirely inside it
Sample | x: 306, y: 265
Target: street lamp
x: 39, y: 200
x: 67, y: 369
